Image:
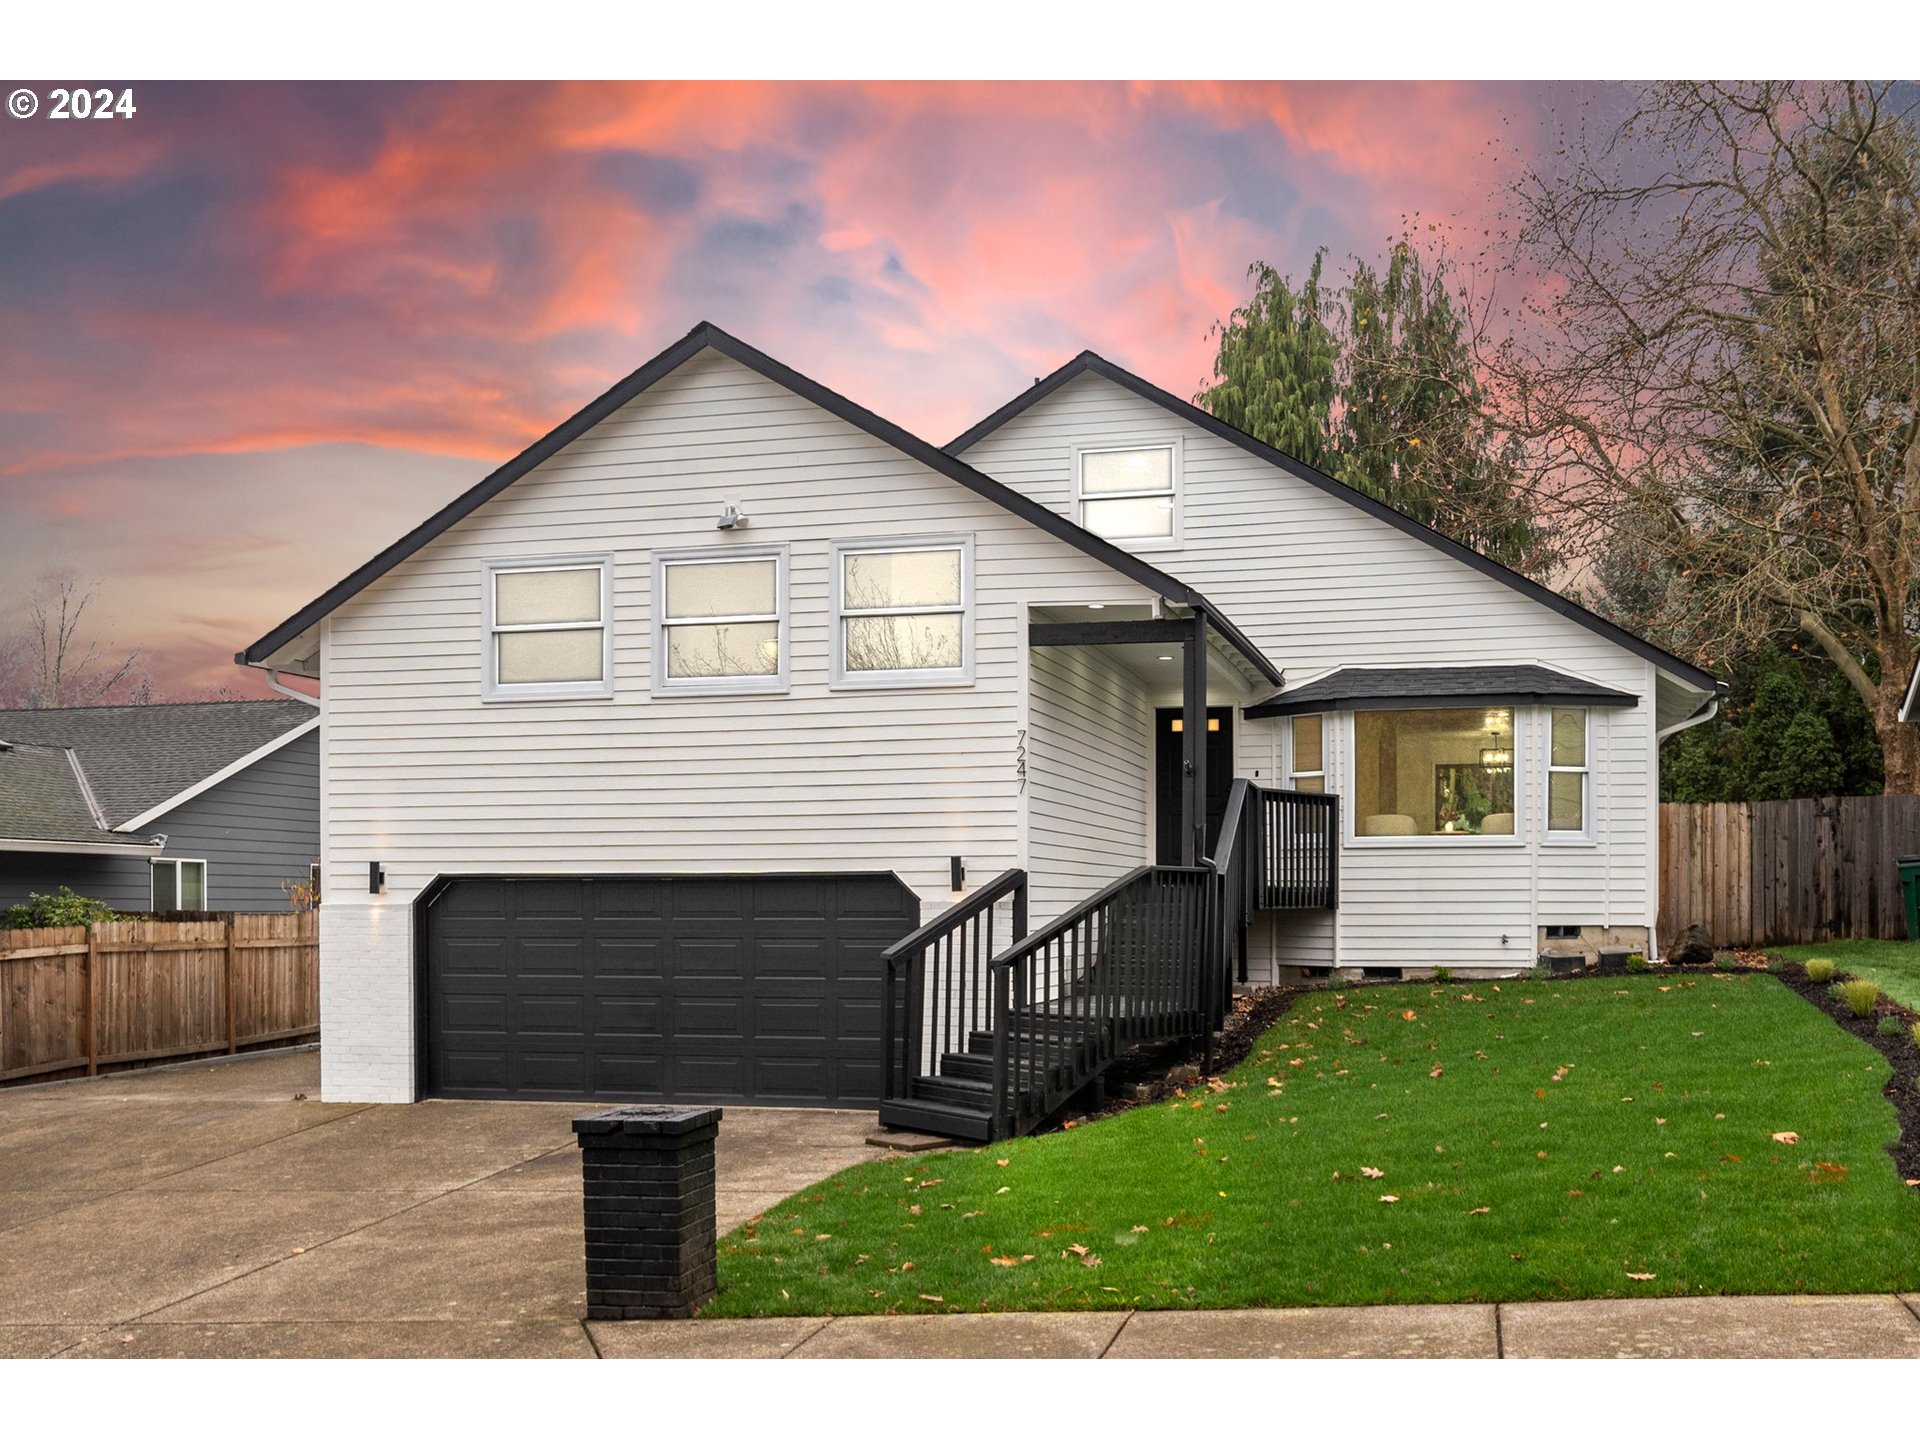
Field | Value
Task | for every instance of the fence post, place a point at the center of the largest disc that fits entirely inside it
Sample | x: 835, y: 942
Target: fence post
x: 232, y: 1040
x: 92, y: 964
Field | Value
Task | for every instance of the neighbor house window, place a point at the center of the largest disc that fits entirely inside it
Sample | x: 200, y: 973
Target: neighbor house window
x: 720, y: 621
x: 1309, y: 753
x: 1446, y: 774
x: 1130, y: 494
x: 548, y: 637
x: 1567, y: 773
x: 903, y: 612
x: 179, y: 885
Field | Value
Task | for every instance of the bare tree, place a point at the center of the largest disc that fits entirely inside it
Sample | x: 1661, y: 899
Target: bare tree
x: 1722, y: 379
x: 57, y: 658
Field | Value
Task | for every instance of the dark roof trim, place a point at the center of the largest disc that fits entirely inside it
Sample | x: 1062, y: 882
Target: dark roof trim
x: 1086, y: 362
x: 1439, y: 688
x: 708, y: 336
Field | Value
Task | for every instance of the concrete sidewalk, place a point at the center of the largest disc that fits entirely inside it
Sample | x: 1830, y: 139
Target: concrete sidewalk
x: 1764, y: 1327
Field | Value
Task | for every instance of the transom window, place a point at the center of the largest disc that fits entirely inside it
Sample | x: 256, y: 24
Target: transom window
x: 547, y: 632
x: 720, y: 621
x: 1130, y: 494
x: 179, y: 885
x: 1444, y: 774
x: 1568, y: 774
x: 903, y: 612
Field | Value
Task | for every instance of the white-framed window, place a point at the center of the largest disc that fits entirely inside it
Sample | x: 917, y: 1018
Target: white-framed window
x: 1309, y: 754
x: 720, y: 621
x: 549, y: 635
x: 178, y: 884
x: 903, y: 611
x: 1433, y: 776
x: 1569, y: 774
x: 1129, y: 493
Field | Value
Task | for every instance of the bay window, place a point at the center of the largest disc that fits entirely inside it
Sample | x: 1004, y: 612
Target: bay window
x: 1444, y: 774
x: 1309, y: 772
x: 1568, y: 774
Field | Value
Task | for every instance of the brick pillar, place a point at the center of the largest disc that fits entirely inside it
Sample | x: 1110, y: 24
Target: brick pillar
x: 648, y: 1172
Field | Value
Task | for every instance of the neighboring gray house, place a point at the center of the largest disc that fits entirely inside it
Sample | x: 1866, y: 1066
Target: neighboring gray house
x: 161, y: 807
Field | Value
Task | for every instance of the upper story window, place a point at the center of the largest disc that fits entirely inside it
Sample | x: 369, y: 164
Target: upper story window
x: 1569, y: 775
x: 1309, y: 771
x: 903, y: 612
x: 720, y: 621
x: 547, y: 632
x: 1130, y: 494
x: 1443, y: 774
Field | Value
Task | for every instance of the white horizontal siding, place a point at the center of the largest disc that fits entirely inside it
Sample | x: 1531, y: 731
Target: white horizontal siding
x: 426, y: 779
x: 1089, y: 776
x: 1318, y: 584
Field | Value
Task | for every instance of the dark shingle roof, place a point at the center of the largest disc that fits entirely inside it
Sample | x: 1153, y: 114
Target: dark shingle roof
x: 136, y: 756
x: 1434, y: 687
x: 41, y: 799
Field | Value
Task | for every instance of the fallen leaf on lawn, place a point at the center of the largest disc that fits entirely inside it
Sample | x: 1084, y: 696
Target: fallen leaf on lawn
x: 1539, y: 1094
x: 1389, y: 1199
x: 1481, y: 1210
x: 1090, y: 1260
x: 1659, y: 1119
x: 936, y: 1299
x: 1698, y: 1033
x: 1539, y: 1154
x: 1076, y: 1249
x: 973, y: 1214
x: 1786, y: 1137
x: 1913, y: 1182
x: 1273, y: 1080
x: 916, y: 1210
x: 1435, y: 1073
x: 1003, y: 1190
x: 1003, y: 1162
x: 1139, y: 1229
x: 1003, y: 1260
x: 911, y: 1210
x: 1371, y: 1173
x: 1221, y: 1109
x: 1619, y: 1169
x: 1576, y: 1194
x: 1641, y: 1275
x: 1408, y: 1015
x: 906, y: 1265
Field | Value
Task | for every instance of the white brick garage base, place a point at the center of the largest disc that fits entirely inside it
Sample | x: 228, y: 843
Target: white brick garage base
x: 366, y: 1000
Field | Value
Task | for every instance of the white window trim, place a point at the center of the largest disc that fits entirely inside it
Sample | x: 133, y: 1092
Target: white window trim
x: 176, y: 861
x: 1320, y: 774
x: 1146, y: 542
x: 774, y: 684
x: 1355, y: 840
x: 491, y: 689
x: 1585, y: 834
x: 842, y: 678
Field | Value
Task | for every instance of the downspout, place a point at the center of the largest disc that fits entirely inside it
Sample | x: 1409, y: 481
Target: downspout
x: 273, y: 683
x: 1699, y: 717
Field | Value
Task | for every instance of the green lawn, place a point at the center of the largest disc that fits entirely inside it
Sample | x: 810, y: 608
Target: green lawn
x: 1893, y: 965
x: 1541, y: 1139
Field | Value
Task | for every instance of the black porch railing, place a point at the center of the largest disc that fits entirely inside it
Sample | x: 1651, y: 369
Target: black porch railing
x: 1126, y: 967
x: 934, y: 983
x: 1297, y: 835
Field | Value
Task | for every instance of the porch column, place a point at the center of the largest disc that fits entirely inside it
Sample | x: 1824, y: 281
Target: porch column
x: 1193, y: 735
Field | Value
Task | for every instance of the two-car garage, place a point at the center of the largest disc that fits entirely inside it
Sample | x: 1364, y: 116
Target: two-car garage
x: 752, y: 989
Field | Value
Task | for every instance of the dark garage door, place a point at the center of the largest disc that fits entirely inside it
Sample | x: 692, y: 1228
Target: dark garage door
x: 759, y: 989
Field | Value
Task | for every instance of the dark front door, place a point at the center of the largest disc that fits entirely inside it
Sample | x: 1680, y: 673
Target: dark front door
x: 755, y: 989
x: 1168, y: 764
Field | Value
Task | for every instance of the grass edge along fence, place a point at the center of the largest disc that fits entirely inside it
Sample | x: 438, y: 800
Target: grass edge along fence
x: 1787, y: 872
x: 76, y: 1000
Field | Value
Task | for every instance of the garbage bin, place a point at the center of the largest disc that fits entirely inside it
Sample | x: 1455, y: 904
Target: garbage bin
x: 1910, y: 892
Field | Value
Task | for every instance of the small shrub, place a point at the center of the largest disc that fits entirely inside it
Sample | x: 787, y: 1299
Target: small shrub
x: 1861, y: 996
x: 1441, y: 974
x: 59, y: 909
x: 1889, y: 1027
x: 1725, y: 961
x: 1819, y: 971
x: 1775, y: 965
x: 1636, y: 962
x: 1538, y: 972
x: 1916, y: 1034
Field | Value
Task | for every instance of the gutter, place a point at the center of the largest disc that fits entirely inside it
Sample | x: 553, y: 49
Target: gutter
x: 1699, y: 717
x: 84, y: 847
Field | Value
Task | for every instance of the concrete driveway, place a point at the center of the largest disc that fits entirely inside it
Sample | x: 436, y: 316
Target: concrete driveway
x: 206, y: 1210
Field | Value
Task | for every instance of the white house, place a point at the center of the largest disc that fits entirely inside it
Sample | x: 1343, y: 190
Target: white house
x: 638, y: 755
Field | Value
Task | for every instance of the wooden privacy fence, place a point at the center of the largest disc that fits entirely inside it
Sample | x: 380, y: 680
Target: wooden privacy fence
x: 127, y: 991
x: 1787, y: 872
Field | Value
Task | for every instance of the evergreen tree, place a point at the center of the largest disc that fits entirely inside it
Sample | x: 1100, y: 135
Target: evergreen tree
x: 1274, y: 374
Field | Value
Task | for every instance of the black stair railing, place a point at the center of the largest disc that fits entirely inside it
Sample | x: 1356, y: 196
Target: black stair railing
x: 1128, y: 966
x: 1297, y: 835
x: 934, y: 983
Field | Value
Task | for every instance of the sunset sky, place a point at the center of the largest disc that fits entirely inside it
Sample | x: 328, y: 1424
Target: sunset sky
x: 256, y: 331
